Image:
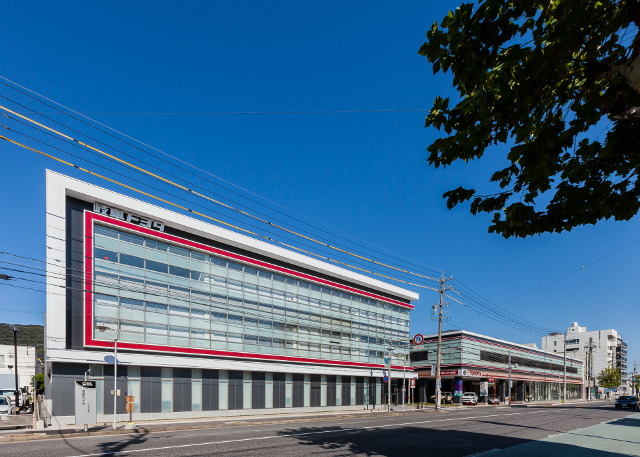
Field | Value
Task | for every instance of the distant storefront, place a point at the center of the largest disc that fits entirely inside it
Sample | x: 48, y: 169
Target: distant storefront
x: 477, y: 363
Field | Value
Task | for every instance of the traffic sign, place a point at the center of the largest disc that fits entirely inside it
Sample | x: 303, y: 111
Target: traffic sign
x: 387, y: 360
x: 418, y: 339
x: 412, y: 383
x: 492, y: 379
x: 385, y: 379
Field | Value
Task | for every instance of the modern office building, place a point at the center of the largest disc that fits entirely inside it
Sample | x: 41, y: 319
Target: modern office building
x: 207, y: 321
x: 608, y: 349
x: 478, y: 363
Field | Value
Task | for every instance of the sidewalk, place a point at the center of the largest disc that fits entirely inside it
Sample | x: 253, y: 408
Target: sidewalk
x: 620, y: 437
x: 189, y: 424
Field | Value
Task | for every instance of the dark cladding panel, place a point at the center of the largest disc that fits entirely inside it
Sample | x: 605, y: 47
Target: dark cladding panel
x: 298, y: 390
x: 75, y: 266
x: 331, y: 391
x: 65, y: 376
x: 315, y: 389
x: 279, y: 390
x: 346, y: 390
x: 210, y: 390
x: 359, y: 390
x: 121, y: 404
x: 150, y: 390
x: 235, y: 389
x: 257, y: 390
x: 181, y: 389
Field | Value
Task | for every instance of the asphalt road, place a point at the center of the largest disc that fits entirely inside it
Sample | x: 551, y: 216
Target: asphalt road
x: 458, y: 432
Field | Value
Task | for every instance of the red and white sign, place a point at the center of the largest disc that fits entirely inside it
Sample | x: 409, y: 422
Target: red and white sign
x: 418, y: 339
x: 475, y: 374
x: 492, y: 379
x: 412, y: 383
x: 449, y: 372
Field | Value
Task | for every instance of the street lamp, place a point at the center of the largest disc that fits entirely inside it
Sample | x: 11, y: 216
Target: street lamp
x: 15, y: 331
x: 104, y: 328
x: 515, y: 365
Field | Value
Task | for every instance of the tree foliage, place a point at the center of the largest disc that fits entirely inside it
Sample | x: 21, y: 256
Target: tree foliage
x: 558, y: 83
x: 610, y: 378
x: 39, y: 383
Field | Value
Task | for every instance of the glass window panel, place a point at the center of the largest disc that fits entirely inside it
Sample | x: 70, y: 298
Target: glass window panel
x: 156, y: 339
x: 107, y: 243
x: 179, y: 271
x: 104, y: 254
x: 105, y: 231
x: 218, y: 262
x: 133, y: 239
x: 200, y: 256
x: 179, y: 251
x: 159, y: 267
x: 105, y: 311
x: 132, y: 314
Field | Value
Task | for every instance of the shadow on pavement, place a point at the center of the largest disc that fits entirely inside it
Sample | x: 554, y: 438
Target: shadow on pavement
x: 633, y: 421
x: 113, y: 447
x: 398, y: 441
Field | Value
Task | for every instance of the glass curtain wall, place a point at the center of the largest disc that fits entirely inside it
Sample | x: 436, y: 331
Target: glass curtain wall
x: 164, y: 294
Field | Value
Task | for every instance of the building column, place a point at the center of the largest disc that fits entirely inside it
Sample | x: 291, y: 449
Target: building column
x: 457, y: 390
x: 502, y: 389
x: 521, y: 391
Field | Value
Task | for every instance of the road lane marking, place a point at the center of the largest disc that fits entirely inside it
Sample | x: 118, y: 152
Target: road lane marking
x: 290, y: 435
x: 490, y: 451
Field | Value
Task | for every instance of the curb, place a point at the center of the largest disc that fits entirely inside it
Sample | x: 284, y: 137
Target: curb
x: 141, y: 429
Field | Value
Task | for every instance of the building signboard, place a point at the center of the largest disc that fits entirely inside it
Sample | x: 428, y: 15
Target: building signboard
x: 484, y: 388
x: 85, y: 394
x: 128, y: 217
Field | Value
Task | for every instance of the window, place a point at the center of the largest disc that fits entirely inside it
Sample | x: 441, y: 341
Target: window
x: 168, y: 294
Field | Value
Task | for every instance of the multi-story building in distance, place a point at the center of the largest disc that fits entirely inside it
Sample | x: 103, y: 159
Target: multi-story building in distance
x: 482, y: 364
x: 207, y: 321
x: 608, y: 350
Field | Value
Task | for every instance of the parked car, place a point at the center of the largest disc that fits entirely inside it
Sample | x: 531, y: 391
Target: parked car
x: 627, y: 401
x: 494, y: 401
x: 23, y: 397
x: 445, y: 397
x: 469, y: 398
x: 6, y: 406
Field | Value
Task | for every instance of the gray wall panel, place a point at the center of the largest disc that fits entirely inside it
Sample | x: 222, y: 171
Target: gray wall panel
x: 150, y: 390
x: 210, y: 390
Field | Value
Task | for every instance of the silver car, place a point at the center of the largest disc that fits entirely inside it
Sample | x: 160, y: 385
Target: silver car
x: 469, y: 398
x: 6, y: 406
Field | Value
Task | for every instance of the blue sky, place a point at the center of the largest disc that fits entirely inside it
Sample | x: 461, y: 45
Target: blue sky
x: 364, y: 174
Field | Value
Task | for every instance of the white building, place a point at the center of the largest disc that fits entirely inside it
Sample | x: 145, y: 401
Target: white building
x: 26, y: 365
x: 208, y: 322
x: 608, y: 350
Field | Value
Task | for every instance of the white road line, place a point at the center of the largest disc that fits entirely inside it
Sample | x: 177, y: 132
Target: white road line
x: 490, y: 451
x: 289, y: 435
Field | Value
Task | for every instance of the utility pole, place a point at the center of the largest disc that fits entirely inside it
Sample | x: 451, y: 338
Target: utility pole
x: 634, y: 382
x: 589, y: 347
x: 564, y: 381
x: 509, y: 390
x: 15, y: 361
x: 437, y: 309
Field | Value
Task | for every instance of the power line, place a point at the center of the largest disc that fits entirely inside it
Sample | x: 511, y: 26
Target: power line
x: 121, y: 174
x: 186, y: 189
x: 178, y: 160
x: 209, y: 217
x: 207, y: 113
